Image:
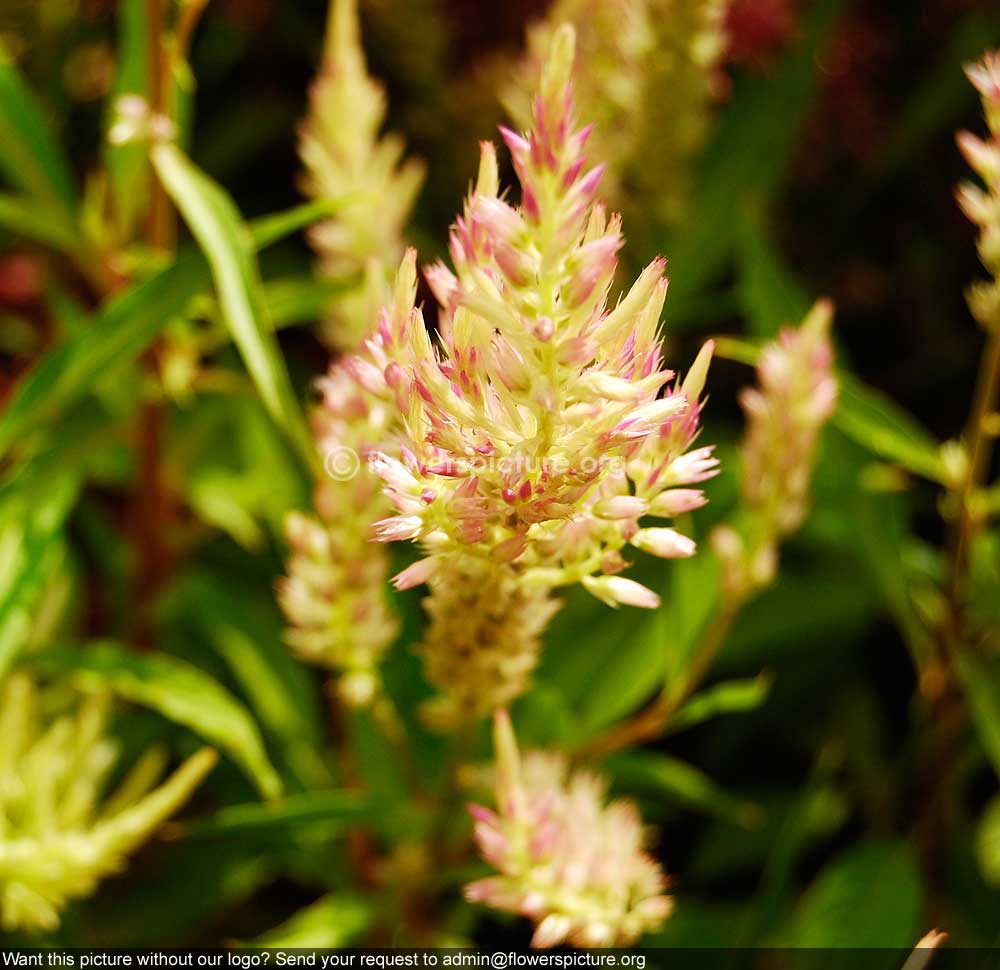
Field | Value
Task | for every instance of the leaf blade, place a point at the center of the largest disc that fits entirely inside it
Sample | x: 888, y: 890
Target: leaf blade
x: 179, y: 691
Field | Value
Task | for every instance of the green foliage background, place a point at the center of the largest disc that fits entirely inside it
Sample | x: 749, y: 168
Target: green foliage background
x: 815, y: 792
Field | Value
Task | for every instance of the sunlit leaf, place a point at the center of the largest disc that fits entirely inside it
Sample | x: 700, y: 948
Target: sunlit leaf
x: 729, y: 697
x: 333, y: 921
x: 661, y: 774
x: 226, y: 241
x: 31, y: 551
x: 30, y: 157
x: 869, y: 896
x: 177, y: 690
x: 329, y: 807
x: 988, y: 842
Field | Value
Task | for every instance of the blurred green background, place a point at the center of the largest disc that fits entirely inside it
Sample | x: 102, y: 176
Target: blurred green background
x: 843, y: 809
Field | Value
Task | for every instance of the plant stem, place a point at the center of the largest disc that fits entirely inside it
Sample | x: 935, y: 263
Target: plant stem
x: 151, y: 501
x: 980, y: 445
x: 653, y: 720
x: 160, y: 226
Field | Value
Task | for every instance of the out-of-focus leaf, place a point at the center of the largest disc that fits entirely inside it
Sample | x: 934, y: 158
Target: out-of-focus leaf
x: 301, y: 299
x: 184, y: 887
x: 791, y: 615
x: 988, y: 843
x: 769, y: 295
x: 241, y: 476
x: 267, y: 230
x: 806, y: 818
x: 22, y: 217
x: 329, y: 807
x: 179, y: 691
x: 280, y: 690
x: 983, y: 585
x: 226, y: 241
x: 606, y: 663
x: 30, y: 157
x: 938, y: 101
x: 693, y: 598
x: 980, y: 678
x: 694, y: 925
x: 869, y: 896
x: 333, y: 921
x: 883, y: 529
x: 746, y: 160
x: 661, y: 774
x: 879, y: 424
x: 127, y: 165
x: 31, y: 550
x: 116, y: 336
x: 866, y: 416
x: 729, y: 697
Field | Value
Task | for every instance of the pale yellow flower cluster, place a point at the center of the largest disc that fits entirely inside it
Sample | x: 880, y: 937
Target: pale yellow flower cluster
x: 364, y: 175
x: 59, y: 833
x: 646, y: 78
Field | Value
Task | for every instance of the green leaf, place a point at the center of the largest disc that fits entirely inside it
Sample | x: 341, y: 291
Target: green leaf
x: 269, y: 229
x: 31, y: 550
x: 129, y: 175
x: 279, y: 689
x: 769, y: 295
x: 177, y: 690
x: 662, y: 775
x: 22, y: 217
x: 333, y: 921
x: 729, y: 697
x: 866, y: 416
x: 869, y: 896
x: 228, y: 245
x: 980, y: 679
x: 30, y: 157
x: 115, y: 337
x: 880, y: 425
x: 329, y: 807
x: 302, y: 299
x: 988, y: 842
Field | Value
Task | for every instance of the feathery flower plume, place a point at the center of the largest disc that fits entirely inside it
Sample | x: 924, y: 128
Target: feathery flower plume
x: 797, y: 394
x: 648, y: 79
x: 565, y: 858
x: 347, y: 161
x: 59, y: 835
x: 542, y: 428
x: 335, y: 593
x: 983, y: 207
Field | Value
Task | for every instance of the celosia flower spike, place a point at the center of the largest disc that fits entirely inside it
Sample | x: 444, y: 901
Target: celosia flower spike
x: 983, y: 207
x: 565, y: 858
x: 347, y: 161
x: 59, y: 836
x: 543, y: 411
x: 646, y: 78
x: 796, y: 396
x: 335, y: 593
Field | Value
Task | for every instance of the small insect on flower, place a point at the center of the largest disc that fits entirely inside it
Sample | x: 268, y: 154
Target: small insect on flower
x: 566, y: 858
